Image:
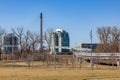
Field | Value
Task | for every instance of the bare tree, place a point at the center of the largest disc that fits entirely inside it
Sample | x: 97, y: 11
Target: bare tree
x: 19, y: 33
x: 27, y: 48
x: 26, y: 41
x: 80, y: 62
x: 34, y: 38
x: 115, y: 32
x: 104, y: 34
x: 26, y: 45
x: 2, y: 31
x: 47, y: 37
x: 113, y: 59
x: 109, y: 37
x: 73, y: 61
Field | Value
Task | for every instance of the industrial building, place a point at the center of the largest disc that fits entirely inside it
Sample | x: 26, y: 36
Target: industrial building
x: 89, y: 45
x: 10, y: 40
x: 61, y: 39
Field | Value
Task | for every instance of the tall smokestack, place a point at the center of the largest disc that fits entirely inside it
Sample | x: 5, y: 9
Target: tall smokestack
x: 41, y: 32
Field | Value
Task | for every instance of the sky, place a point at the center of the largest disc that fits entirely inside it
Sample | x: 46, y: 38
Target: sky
x: 77, y: 17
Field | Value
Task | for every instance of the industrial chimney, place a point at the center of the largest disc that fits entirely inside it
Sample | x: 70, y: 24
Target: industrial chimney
x: 41, y: 33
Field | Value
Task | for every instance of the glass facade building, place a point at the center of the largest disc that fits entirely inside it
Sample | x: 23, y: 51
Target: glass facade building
x: 9, y: 41
x: 60, y: 38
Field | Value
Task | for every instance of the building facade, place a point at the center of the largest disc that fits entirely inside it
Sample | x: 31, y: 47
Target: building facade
x: 60, y: 38
x: 10, y: 41
x: 89, y: 45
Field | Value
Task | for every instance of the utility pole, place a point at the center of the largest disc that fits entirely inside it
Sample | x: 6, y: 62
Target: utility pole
x: 91, y: 58
x: 41, y: 33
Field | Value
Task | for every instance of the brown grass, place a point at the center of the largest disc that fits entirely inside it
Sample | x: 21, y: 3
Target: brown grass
x: 24, y: 73
x: 20, y: 71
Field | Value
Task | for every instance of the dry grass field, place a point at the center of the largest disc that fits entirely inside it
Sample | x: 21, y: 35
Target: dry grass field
x: 58, y: 74
x: 38, y: 73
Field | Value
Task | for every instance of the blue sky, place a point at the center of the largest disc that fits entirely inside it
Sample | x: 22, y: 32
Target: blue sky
x: 77, y: 17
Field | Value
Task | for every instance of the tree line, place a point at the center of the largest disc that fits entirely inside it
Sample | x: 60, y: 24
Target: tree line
x: 109, y: 39
x: 28, y: 41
